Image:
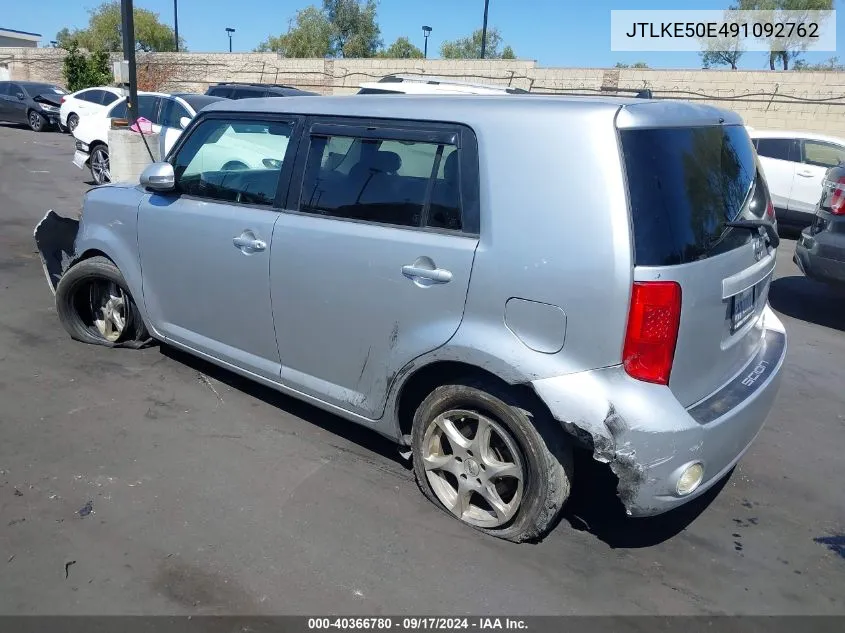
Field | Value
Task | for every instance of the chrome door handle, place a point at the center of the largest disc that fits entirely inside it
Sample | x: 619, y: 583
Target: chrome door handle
x: 805, y: 174
x: 437, y: 275
x: 249, y: 243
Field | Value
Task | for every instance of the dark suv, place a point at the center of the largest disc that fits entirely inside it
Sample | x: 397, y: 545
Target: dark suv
x: 251, y: 91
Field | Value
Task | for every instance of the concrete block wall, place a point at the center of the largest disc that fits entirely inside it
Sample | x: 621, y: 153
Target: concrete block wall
x: 766, y: 99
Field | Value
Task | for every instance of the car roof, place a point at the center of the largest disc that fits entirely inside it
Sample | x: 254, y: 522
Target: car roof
x: 419, y: 87
x: 475, y: 109
x: 794, y: 134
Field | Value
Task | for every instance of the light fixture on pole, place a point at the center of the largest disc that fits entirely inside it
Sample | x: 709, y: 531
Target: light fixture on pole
x: 426, y: 33
x: 230, y: 30
x: 484, y: 30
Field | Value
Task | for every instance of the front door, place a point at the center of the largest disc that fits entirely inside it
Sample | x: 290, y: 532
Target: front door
x: 817, y: 158
x: 17, y: 105
x: 205, y: 248
x: 371, y: 263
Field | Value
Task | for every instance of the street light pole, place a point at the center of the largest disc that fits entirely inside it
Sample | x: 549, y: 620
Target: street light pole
x: 230, y: 31
x: 484, y: 30
x: 426, y: 33
x: 176, y: 22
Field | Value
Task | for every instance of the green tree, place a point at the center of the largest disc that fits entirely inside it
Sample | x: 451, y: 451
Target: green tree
x: 311, y: 36
x: 830, y: 65
x: 722, y: 51
x: 83, y: 71
x: 342, y: 28
x: 786, y: 50
x: 634, y: 65
x: 470, y: 47
x: 103, y: 31
x: 401, y: 49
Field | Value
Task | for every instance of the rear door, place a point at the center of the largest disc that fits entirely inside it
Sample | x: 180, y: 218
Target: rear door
x: 779, y: 158
x: 372, y: 257
x: 684, y: 185
x: 816, y: 158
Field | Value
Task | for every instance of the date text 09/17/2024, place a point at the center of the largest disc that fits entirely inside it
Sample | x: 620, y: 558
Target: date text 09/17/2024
x: 416, y: 623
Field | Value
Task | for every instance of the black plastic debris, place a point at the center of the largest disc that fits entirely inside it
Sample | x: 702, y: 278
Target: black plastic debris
x: 67, y: 567
x: 87, y: 509
x: 18, y: 493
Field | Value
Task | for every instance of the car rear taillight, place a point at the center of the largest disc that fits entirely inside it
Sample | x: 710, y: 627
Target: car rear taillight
x: 837, y: 198
x: 653, y: 322
x: 770, y: 211
x: 63, y: 99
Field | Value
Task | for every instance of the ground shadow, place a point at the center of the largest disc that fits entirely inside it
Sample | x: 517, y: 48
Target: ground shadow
x: 809, y: 300
x: 350, y: 431
x: 790, y: 232
x: 595, y: 508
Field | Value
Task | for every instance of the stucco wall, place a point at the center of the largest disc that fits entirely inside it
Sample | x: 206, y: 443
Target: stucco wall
x: 765, y: 99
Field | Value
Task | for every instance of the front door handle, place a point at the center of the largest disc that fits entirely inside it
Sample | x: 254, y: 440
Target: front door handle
x: 437, y: 275
x: 248, y: 243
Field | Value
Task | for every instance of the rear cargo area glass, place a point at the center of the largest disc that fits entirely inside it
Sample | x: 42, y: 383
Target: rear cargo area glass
x: 684, y: 184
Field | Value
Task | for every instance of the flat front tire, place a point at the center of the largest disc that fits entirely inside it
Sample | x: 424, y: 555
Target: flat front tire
x: 484, y: 457
x: 94, y: 305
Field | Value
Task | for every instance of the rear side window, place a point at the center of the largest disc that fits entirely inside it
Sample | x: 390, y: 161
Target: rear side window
x: 779, y: 148
x: 385, y: 181
x: 119, y: 111
x: 684, y: 184
x: 823, y: 154
x: 108, y: 98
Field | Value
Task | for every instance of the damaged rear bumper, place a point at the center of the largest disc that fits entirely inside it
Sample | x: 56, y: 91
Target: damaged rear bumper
x: 649, y: 439
x: 55, y: 238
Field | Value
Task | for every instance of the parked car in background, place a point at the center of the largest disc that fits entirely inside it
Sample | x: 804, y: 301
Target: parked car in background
x: 820, y: 252
x: 795, y: 164
x: 86, y: 102
x: 169, y: 114
x: 363, y: 269
x: 31, y: 102
x: 234, y: 90
x: 416, y: 84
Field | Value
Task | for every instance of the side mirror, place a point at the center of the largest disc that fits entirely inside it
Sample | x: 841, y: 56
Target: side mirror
x: 21, y: 96
x: 158, y: 177
x: 184, y: 121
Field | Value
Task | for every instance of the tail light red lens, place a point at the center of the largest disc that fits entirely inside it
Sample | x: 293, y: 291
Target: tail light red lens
x: 63, y: 99
x: 653, y: 322
x: 837, y: 198
x: 770, y: 211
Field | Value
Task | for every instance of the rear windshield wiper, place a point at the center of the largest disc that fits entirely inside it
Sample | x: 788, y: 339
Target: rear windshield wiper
x: 755, y: 225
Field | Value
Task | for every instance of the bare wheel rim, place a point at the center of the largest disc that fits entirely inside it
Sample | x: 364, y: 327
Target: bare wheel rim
x: 100, y: 166
x: 108, y: 308
x: 474, y: 467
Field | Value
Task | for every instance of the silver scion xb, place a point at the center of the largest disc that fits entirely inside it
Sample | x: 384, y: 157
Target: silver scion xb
x: 493, y: 282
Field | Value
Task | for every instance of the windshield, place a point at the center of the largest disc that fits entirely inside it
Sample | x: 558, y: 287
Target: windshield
x: 684, y: 185
x: 198, y: 102
x: 37, y: 89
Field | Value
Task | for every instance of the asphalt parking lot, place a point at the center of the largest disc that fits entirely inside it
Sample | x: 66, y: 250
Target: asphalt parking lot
x: 212, y: 495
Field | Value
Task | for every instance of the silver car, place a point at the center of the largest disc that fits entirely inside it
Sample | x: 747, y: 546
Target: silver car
x: 492, y: 282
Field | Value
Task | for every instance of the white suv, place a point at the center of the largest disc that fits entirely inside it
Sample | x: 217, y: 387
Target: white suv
x: 426, y: 84
x: 795, y: 164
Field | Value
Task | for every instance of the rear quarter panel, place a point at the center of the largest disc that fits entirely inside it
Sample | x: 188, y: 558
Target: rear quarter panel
x: 554, y: 230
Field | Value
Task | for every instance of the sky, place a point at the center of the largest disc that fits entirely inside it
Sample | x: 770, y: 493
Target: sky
x: 552, y: 32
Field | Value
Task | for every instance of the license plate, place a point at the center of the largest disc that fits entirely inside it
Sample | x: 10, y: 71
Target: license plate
x: 742, y: 307
x: 80, y: 158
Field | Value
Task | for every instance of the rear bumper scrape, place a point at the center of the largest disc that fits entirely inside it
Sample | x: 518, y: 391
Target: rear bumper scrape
x: 55, y: 237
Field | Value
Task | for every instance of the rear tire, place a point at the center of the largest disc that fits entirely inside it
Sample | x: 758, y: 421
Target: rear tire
x: 72, y: 122
x: 520, y: 443
x: 99, y: 164
x: 37, y: 123
x: 95, y: 306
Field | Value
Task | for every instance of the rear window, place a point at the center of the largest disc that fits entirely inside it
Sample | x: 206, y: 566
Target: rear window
x: 684, y: 184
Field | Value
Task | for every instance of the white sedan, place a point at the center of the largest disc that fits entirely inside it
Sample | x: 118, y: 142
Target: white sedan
x: 168, y: 114
x: 86, y: 102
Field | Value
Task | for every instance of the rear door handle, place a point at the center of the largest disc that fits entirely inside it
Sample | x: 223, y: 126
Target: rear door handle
x: 437, y: 275
x: 247, y: 243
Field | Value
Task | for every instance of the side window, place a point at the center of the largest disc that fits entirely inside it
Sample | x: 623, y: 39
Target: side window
x: 779, y: 148
x: 119, y: 111
x: 403, y: 183
x: 247, y: 93
x: 85, y: 95
x: 171, y: 113
x: 108, y: 98
x: 233, y: 160
x: 15, y: 90
x: 94, y: 96
x: 823, y: 154
x: 4, y: 88
x: 148, y: 107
